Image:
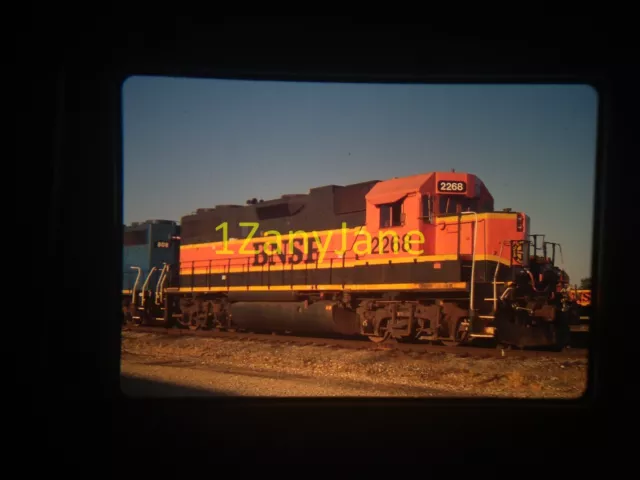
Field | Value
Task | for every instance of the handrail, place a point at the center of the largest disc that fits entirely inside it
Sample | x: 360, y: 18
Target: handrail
x: 158, y: 294
x: 164, y: 280
x: 473, y: 266
x: 135, y: 285
x: 146, y: 282
x: 495, y: 280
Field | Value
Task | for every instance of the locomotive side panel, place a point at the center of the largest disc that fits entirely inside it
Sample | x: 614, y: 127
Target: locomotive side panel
x: 350, y: 259
x: 134, y: 256
x: 163, y: 246
x: 147, y: 248
x: 499, y: 239
x: 323, y: 208
x: 135, y: 253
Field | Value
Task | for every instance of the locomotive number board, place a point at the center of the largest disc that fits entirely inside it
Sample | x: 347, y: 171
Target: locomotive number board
x: 452, y: 186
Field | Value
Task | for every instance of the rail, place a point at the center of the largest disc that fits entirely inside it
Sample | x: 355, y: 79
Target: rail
x: 216, y: 273
x: 473, y: 270
x: 362, y: 344
x: 135, y: 285
x: 164, y: 281
x: 146, y: 283
x: 158, y: 293
x: 495, y: 281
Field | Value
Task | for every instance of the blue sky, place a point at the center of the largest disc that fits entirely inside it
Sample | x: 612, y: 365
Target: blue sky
x: 196, y: 143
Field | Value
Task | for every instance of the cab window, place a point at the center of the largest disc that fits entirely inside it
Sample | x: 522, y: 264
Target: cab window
x: 427, y: 208
x: 391, y: 215
x: 452, y: 204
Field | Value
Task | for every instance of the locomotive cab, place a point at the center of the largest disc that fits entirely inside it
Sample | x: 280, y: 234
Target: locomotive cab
x: 411, y: 206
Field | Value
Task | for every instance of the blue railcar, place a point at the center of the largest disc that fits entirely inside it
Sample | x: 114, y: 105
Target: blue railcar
x: 150, y: 249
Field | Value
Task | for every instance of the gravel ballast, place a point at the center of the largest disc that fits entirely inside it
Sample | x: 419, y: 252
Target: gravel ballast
x: 214, y: 366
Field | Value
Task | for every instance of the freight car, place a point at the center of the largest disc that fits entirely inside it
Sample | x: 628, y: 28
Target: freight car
x: 419, y: 257
x: 149, y: 250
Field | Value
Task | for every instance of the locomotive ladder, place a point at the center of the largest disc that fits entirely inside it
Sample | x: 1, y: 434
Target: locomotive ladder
x: 493, y: 299
x: 473, y: 280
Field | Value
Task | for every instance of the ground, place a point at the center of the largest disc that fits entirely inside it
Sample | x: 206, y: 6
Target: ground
x: 155, y: 364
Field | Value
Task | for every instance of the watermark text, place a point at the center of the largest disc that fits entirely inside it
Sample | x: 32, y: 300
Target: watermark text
x: 308, y: 247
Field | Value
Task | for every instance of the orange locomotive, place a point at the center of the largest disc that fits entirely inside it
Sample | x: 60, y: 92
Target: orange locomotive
x: 424, y: 256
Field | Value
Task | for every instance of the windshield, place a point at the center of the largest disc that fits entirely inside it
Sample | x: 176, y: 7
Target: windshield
x: 452, y: 204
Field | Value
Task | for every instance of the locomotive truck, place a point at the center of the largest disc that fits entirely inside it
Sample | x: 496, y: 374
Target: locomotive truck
x: 420, y: 257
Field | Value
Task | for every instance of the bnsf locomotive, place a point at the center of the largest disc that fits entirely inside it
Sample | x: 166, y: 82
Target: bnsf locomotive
x: 581, y: 298
x: 419, y: 257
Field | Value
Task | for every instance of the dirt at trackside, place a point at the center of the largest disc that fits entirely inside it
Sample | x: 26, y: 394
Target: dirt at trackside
x: 244, y: 367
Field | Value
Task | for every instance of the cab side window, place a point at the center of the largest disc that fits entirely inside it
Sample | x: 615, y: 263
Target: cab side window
x: 427, y: 209
x: 391, y: 215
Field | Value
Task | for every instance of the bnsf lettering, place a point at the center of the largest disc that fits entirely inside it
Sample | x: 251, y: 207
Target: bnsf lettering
x: 292, y: 253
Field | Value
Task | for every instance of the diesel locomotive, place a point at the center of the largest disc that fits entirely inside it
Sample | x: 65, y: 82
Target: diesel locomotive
x: 420, y: 257
x: 582, y: 298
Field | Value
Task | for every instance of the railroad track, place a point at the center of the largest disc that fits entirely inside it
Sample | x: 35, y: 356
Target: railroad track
x: 364, y: 344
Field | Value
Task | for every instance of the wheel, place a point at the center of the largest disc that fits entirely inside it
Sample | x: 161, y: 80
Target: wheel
x: 184, y: 321
x: 460, y: 334
x: 380, y: 338
x: 198, y: 321
x: 408, y: 339
x: 384, y: 333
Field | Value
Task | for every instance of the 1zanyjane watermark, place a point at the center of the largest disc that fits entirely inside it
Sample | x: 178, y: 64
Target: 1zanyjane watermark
x: 386, y: 241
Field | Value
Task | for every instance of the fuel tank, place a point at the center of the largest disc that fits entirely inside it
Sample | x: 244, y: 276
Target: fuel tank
x: 323, y: 317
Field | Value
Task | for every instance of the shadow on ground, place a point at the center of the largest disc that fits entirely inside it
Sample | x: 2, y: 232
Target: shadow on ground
x: 141, y: 388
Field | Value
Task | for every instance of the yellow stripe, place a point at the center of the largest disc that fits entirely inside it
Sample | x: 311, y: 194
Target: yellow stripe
x: 487, y: 258
x: 337, y: 264
x: 411, y: 259
x: 321, y: 233
x: 127, y: 292
x: 481, y: 216
x: 347, y: 287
